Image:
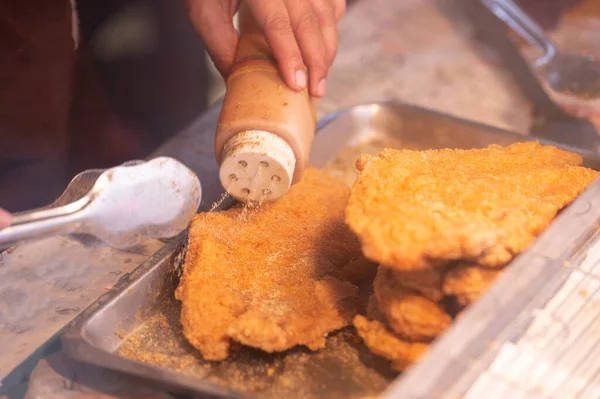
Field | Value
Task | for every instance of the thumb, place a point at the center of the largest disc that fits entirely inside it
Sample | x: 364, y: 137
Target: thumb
x: 213, y: 20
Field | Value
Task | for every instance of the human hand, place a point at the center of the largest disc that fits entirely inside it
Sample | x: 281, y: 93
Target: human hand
x: 5, y: 218
x: 300, y: 33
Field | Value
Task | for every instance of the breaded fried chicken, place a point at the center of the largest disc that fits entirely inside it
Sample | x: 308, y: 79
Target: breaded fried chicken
x: 444, y: 223
x: 467, y: 282
x: 410, y: 315
x: 272, y: 278
x: 418, y: 209
x: 382, y: 341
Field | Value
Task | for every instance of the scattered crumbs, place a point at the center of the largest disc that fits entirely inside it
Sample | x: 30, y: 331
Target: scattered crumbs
x: 538, y: 390
x: 492, y: 345
x: 129, y: 291
x: 163, y: 323
x: 120, y: 334
x: 566, y: 264
x: 584, y: 293
x: 343, y: 166
x: 297, y: 373
x: 11, y: 250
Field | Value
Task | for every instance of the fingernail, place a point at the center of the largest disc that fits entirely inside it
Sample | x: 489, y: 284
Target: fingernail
x: 301, y: 78
x: 322, y: 87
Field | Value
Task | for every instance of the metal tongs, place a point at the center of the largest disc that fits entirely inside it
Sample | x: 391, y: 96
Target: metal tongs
x: 557, y: 82
x: 570, y: 73
x: 121, y: 206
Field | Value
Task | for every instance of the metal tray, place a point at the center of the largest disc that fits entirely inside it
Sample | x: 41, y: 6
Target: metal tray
x: 138, y: 318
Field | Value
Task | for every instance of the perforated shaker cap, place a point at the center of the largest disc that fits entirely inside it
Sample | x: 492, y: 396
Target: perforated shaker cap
x: 257, y: 166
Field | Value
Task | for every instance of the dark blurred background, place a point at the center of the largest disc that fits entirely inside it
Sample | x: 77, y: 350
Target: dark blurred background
x: 150, y: 62
x: 138, y: 76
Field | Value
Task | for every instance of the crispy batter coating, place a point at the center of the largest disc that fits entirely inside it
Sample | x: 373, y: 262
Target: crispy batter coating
x: 270, y: 278
x: 411, y: 315
x: 360, y: 270
x: 427, y: 282
x: 418, y: 209
x: 467, y: 282
x: 380, y: 340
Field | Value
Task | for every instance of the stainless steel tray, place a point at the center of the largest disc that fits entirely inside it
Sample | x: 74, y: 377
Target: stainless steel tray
x: 140, y: 314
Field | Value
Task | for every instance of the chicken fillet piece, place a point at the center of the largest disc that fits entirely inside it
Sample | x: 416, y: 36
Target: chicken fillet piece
x: 468, y: 282
x: 270, y: 278
x: 410, y: 315
x: 382, y: 341
x: 418, y: 209
x: 427, y: 282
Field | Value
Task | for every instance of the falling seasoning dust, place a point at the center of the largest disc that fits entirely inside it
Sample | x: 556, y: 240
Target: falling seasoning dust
x: 219, y: 202
x: 251, y: 208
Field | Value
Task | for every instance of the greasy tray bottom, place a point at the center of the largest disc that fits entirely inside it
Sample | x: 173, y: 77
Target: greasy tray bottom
x: 344, y: 369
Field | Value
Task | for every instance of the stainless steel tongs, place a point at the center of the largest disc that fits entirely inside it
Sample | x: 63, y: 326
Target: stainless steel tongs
x: 121, y: 206
x: 569, y: 73
x: 566, y: 79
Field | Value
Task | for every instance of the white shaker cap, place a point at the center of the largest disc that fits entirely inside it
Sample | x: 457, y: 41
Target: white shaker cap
x: 257, y: 166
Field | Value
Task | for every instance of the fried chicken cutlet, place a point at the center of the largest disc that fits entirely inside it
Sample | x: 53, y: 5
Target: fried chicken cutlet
x: 411, y: 315
x: 273, y: 279
x: 381, y: 340
x: 468, y: 282
x: 419, y: 209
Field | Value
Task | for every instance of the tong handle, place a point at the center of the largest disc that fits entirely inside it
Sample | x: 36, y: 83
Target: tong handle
x: 518, y: 20
x: 41, y: 223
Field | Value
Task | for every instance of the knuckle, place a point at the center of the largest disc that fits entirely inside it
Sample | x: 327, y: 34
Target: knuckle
x: 326, y: 14
x: 278, y: 22
x: 307, y: 22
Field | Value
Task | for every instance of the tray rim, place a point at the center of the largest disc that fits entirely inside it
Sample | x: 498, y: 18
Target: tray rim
x: 331, y: 117
x: 73, y: 337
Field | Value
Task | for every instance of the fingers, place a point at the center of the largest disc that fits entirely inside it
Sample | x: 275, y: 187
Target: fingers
x: 301, y: 33
x: 273, y: 17
x: 213, y: 20
x: 5, y: 218
x: 326, y: 15
x: 307, y: 30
